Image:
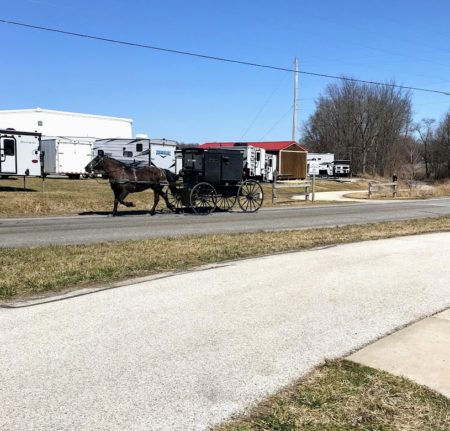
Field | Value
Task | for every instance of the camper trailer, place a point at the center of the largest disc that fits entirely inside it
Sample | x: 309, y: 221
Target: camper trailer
x: 325, y: 161
x: 270, y: 167
x: 20, y: 153
x: 254, y: 161
x: 157, y: 152
x: 66, y: 155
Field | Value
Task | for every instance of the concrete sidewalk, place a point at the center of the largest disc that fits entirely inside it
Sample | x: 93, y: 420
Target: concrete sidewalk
x: 420, y: 352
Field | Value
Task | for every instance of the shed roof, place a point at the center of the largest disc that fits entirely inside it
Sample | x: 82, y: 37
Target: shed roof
x: 270, y: 145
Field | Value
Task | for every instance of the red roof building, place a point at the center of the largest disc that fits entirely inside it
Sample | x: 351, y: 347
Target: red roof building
x: 291, y: 156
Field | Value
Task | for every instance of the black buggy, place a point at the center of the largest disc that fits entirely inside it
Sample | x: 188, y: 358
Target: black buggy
x: 213, y: 179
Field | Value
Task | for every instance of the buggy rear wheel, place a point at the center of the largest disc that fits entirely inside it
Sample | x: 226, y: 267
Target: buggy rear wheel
x: 203, y: 198
x: 225, y: 203
x: 250, y: 196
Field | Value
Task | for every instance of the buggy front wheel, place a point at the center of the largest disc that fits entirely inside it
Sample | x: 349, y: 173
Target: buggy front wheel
x: 250, y: 196
x: 203, y: 198
x: 174, y: 199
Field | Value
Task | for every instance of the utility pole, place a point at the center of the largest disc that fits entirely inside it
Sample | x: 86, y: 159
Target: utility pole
x: 294, y: 121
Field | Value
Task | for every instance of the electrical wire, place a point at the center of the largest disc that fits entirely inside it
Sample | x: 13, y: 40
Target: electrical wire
x: 277, y: 122
x: 216, y: 58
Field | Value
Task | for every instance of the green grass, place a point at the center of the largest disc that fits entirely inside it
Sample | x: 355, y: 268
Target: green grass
x: 343, y: 396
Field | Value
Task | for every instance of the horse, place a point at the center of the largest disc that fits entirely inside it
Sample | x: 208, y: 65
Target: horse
x: 125, y: 179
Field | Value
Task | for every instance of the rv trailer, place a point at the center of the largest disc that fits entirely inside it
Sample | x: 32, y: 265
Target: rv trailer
x: 157, y: 152
x: 20, y: 153
x: 325, y: 161
x: 66, y: 155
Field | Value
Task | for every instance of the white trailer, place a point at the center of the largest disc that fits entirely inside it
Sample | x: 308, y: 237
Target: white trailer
x: 66, y: 155
x: 254, y: 161
x: 325, y: 161
x: 20, y: 153
x: 270, y: 167
x: 157, y: 152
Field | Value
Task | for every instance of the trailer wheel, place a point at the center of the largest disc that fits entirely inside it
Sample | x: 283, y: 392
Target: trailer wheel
x: 203, y: 198
x: 225, y: 203
x: 250, y: 196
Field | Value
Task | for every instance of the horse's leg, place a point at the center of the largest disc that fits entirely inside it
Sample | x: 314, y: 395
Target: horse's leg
x: 122, y: 197
x: 123, y: 193
x: 155, y: 201
x: 116, y: 199
x: 166, y: 199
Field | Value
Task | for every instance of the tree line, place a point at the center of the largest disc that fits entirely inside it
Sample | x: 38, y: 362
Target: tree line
x: 372, y: 126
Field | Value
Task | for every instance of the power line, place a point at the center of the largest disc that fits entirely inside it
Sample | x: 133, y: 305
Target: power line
x: 277, y: 122
x: 211, y: 57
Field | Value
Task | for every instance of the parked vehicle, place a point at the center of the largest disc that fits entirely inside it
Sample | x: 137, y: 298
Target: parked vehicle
x: 270, y: 167
x: 66, y: 155
x: 342, y: 168
x: 20, y: 153
x: 157, y: 152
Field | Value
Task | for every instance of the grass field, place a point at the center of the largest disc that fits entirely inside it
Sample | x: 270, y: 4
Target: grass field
x: 63, y: 196
x: 28, y: 272
x: 343, y: 396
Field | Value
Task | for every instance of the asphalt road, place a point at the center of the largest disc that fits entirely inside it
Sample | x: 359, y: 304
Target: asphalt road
x: 186, y: 351
x: 32, y: 232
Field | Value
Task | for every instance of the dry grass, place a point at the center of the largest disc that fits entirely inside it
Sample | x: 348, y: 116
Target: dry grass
x: 27, y: 272
x: 62, y: 196
x: 345, y: 396
x: 408, y: 190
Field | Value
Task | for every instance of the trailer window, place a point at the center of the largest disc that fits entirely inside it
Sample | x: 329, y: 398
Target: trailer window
x: 127, y: 153
x: 8, y: 147
x: 139, y: 148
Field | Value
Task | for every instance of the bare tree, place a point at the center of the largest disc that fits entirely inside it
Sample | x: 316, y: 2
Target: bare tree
x: 441, y: 148
x: 425, y: 131
x: 360, y: 122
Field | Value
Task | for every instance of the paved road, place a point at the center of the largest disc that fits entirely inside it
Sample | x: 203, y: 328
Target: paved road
x: 186, y: 351
x: 88, y: 229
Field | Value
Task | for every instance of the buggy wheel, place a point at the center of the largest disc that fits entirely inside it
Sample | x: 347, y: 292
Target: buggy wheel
x: 175, y: 200
x: 250, y: 196
x: 203, y: 198
x: 225, y: 203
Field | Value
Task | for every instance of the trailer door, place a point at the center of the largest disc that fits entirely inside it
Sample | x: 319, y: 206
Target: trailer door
x: 8, y: 156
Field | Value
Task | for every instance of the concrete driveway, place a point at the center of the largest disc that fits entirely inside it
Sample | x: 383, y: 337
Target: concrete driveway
x: 187, y: 351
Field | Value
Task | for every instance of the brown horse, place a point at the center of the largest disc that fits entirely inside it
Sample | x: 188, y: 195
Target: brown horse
x: 125, y: 179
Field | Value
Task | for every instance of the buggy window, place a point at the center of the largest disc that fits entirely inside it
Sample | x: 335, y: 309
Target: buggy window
x: 8, y: 147
x: 139, y: 148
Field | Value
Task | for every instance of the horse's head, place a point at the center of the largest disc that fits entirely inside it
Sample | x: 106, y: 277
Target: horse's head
x: 96, y: 164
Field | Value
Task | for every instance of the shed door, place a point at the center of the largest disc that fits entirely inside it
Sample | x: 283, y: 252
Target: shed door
x: 8, y: 156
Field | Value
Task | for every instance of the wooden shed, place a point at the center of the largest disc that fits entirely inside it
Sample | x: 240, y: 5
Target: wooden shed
x: 291, y: 156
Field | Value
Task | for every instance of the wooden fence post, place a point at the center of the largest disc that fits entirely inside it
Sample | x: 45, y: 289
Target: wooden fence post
x: 274, y: 186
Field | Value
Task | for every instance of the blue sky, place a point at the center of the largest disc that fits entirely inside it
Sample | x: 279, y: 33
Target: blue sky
x: 194, y: 100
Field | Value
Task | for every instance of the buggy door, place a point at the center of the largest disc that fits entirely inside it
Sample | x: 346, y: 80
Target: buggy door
x: 8, y: 156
